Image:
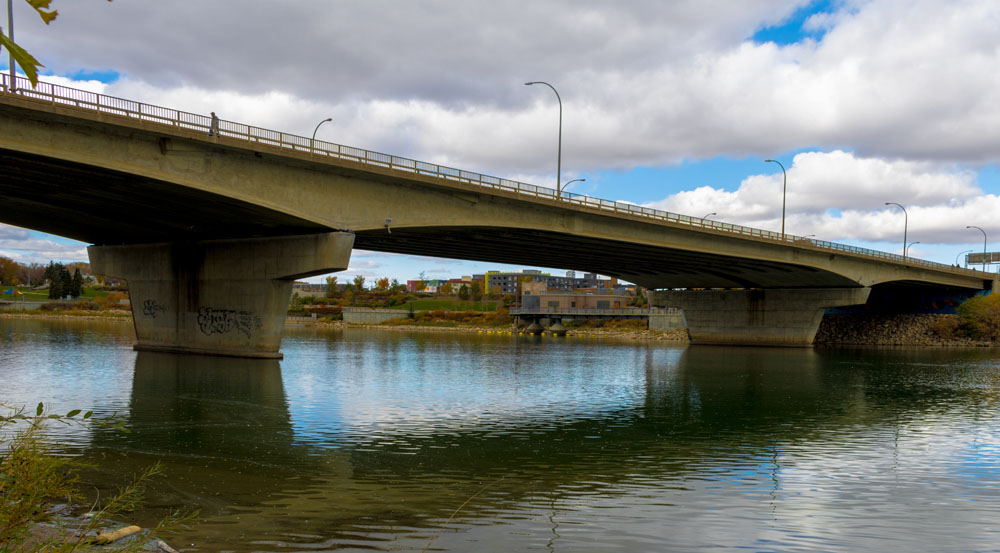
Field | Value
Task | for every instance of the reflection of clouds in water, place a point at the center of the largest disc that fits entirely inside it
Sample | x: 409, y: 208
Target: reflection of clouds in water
x: 410, y: 388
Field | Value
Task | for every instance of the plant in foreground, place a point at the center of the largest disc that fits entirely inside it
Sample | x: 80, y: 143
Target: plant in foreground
x: 32, y: 480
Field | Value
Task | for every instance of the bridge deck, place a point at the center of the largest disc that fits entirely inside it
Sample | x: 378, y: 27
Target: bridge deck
x: 241, y: 218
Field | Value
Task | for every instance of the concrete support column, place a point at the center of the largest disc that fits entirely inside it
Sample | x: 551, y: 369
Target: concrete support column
x: 769, y: 317
x: 218, y: 297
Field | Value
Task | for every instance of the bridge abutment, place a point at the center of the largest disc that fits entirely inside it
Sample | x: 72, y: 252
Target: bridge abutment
x: 765, y: 317
x: 218, y: 297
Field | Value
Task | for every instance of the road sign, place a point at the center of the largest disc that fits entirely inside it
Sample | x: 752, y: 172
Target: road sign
x: 977, y: 258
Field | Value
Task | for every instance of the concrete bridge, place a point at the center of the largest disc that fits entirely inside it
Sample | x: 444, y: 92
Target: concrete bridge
x: 210, y: 229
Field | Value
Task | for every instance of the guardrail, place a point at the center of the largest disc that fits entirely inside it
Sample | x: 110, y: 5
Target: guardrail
x: 634, y: 312
x: 66, y: 96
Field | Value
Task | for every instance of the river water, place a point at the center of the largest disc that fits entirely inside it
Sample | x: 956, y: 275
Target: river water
x: 372, y: 440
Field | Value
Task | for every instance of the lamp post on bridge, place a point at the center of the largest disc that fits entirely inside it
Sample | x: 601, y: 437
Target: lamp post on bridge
x: 960, y: 255
x: 784, y: 188
x: 312, y: 141
x: 984, y: 243
x: 10, y: 36
x: 565, y: 186
x: 908, y: 247
x: 906, y: 223
x: 559, y: 151
x: 708, y: 215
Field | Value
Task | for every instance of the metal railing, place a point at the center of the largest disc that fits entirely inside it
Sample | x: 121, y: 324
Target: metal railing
x: 72, y: 97
x: 633, y: 311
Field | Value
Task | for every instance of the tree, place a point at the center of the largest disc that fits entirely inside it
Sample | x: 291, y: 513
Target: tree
x: 76, y: 284
x: 359, y: 283
x: 28, y: 62
x: 476, y: 291
x: 463, y: 292
x: 59, y: 280
x: 382, y: 284
x: 9, y: 270
x: 395, y: 287
x: 446, y: 289
x: 332, y: 291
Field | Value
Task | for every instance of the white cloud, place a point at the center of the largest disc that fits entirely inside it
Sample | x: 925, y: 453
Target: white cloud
x: 642, y: 83
x: 837, y: 196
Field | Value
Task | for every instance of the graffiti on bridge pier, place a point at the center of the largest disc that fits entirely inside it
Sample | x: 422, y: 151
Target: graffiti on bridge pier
x: 220, y: 321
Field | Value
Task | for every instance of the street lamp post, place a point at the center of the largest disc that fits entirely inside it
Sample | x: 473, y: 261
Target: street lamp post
x: 10, y: 36
x: 906, y: 223
x: 559, y: 151
x: 984, y: 243
x: 908, y: 247
x: 565, y: 186
x: 960, y: 255
x: 784, y: 188
x: 312, y: 141
x: 709, y: 215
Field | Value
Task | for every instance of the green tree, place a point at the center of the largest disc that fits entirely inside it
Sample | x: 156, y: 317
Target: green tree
x: 395, y: 287
x: 332, y: 290
x: 28, y: 62
x: 76, y: 286
x: 359, y: 283
x: 58, y: 283
x: 476, y: 291
x: 463, y: 292
x: 981, y: 316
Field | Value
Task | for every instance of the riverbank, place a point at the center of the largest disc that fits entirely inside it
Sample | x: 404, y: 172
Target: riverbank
x: 892, y: 330
x: 607, y: 333
x: 125, y: 316
x: 835, y: 330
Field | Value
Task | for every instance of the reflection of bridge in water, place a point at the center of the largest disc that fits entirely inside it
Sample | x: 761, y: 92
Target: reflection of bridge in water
x: 233, y: 446
x: 210, y: 231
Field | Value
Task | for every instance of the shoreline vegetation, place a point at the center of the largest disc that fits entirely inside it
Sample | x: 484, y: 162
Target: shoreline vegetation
x: 925, y: 330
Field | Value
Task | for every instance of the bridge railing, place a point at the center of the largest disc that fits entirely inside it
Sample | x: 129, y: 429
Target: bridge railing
x: 635, y: 312
x: 63, y: 95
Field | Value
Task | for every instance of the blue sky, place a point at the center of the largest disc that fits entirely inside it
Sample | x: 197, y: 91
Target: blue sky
x: 674, y: 106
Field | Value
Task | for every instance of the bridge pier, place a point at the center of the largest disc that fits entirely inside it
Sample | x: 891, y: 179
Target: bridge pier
x: 218, y: 297
x: 765, y: 317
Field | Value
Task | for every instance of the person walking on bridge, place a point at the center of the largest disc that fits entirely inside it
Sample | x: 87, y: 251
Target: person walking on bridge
x: 214, y: 129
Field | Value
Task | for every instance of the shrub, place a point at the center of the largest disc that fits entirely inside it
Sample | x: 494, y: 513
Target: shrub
x: 981, y: 316
x: 31, y: 478
x: 946, y: 327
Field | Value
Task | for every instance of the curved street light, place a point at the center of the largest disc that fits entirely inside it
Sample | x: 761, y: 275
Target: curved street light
x: 559, y: 152
x: 906, y: 223
x: 709, y: 215
x: 984, y: 243
x: 565, y: 186
x: 784, y: 188
x: 312, y: 141
x: 910, y: 246
x: 960, y: 255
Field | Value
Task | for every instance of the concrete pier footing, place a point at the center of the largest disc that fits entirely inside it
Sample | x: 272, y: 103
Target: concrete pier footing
x: 766, y: 317
x: 218, y: 297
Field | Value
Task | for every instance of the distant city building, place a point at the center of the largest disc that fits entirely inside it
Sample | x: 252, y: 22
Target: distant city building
x: 430, y: 285
x: 502, y: 283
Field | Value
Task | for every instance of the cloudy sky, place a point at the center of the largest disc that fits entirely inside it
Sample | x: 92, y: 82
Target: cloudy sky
x: 672, y: 105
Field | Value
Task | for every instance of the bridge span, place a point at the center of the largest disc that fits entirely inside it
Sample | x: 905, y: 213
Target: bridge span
x: 210, y: 229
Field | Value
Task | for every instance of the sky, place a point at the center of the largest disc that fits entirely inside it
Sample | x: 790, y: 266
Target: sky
x: 673, y: 105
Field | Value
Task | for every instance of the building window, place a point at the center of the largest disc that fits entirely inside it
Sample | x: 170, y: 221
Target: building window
x: 554, y: 303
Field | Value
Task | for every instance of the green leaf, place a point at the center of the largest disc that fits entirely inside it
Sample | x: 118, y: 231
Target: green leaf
x: 39, y: 409
x: 42, y: 7
x: 27, y: 62
x: 87, y: 414
x: 73, y: 413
